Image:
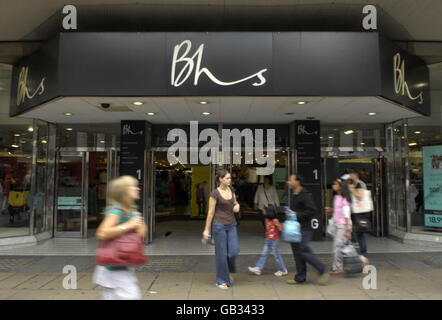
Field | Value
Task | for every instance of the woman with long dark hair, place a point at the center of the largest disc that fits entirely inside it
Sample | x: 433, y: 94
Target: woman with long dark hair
x: 221, y: 220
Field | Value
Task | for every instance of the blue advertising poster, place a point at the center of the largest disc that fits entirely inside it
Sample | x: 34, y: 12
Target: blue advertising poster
x: 432, y: 162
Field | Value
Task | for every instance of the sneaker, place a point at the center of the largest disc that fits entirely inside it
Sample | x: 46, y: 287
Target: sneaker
x: 294, y: 282
x: 365, y: 261
x: 222, y: 286
x: 280, y: 273
x: 323, y: 278
x: 336, y: 272
x: 255, y: 270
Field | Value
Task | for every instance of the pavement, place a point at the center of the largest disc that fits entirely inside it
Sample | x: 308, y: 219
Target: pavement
x: 413, y: 275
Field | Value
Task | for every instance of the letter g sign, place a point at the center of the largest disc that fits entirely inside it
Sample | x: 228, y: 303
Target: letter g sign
x: 315, y: 224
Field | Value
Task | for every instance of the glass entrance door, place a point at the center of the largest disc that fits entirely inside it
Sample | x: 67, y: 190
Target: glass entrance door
x: 71, y: 195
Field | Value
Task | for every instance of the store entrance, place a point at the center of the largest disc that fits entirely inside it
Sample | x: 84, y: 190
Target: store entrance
x: 371, y: 168
x: 81, y: 193
x: 179, y: 194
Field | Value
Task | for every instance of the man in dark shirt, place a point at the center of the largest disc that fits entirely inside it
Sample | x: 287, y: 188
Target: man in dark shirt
x: 301, y: 202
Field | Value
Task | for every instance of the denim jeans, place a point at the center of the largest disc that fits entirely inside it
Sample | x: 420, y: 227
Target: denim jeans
x: 271, y: 245
x: 304, y: 254
x: 362, y: 243
x: 226, y: 250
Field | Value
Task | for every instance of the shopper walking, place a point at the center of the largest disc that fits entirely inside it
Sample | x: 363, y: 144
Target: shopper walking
x: 221, y: 221
x: 342, y: 222
x: 120, y: 283
x: 302, y: 204
x: 357, y: 187
x: 266, y: 194
x: 273, y: 226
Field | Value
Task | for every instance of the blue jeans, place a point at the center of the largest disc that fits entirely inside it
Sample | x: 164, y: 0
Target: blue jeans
x: 304, y: 254
x: 226, y: 251
x: 362, y: 243
x: 271, y: 245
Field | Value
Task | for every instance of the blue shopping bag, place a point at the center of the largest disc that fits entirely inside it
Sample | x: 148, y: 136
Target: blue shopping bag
x: 292, y: 228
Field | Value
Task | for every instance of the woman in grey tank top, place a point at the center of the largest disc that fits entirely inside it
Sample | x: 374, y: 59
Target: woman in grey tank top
x: 221, y: 220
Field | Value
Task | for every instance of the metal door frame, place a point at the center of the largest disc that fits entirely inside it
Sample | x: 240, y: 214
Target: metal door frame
x: 377, y: 167
x: 84, y: 195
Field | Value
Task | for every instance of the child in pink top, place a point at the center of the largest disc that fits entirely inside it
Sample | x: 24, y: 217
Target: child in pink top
x: 342, y: 221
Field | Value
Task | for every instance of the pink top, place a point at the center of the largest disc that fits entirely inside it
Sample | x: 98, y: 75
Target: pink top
x: 341, y: 210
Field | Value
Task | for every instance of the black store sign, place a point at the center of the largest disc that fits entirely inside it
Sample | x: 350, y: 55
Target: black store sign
x: 308, y: 147
x: 133, y: 142
x: 220, y: 64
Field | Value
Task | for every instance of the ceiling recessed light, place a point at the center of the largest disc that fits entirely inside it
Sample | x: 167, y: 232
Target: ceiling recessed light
x: 102, y: 141
x: 44, y: 141
x: 372, y: 113
x: 418, y: 132
x: 68, y: 113
x: 362, y: 143
x: 16, y: 134
x: 14, y: 145
x: 412, y: 144
x: 301, y: 102
x: 203, y: 102
x: 348, y: 132
x: 138, y: 103
x: 68, y: 129
x: 330, y: 137
x: 150, y: 113
x: 205, y: 113
x: 30, y: 129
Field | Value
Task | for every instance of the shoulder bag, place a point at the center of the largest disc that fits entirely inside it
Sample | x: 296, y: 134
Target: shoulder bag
x: 361, y: 211
x: 125, y: 250
x: 270, y: 207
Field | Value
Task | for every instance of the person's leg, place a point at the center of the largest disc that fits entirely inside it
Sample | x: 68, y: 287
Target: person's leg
x: 275, y: 246
x: 107, y: 293
x: 222, y: 268
x: 199, y: 206
x: 301, y: 267
x: 262, y: 217
x: 306, y: 253
x: 338, y: 243
x: 232, y: 248
x: 267, y: 249
x: 362, y: 243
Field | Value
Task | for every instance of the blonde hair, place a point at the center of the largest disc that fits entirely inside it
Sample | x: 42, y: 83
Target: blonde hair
x: 118, y: 189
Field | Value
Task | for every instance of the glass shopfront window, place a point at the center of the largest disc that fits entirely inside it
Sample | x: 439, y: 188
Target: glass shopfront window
x: 414, y: 167
x: 16, y: 138
x: 425, y: 158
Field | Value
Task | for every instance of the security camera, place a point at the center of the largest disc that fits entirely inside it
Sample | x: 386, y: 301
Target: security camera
x: 105, y: 105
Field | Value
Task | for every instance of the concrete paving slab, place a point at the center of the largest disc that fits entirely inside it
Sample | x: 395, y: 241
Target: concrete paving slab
x: 348, y: 297
x: 55, y: 284
x: 5, y: 294
x: 84, y: 281
x: 16, y: 280
x: 38, y: 281
x: 33, y: 295
x: 4, y: 275
x: 78, y: 295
